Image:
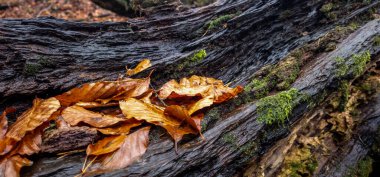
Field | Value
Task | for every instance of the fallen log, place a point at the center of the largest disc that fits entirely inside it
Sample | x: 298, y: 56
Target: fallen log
x: 46, y: 56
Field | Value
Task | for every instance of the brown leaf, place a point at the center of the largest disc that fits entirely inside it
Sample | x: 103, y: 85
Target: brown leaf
x: 200, y: 104
x: 121, y: 128
x: 182, y: 115
x: 133, y: 108
x: 133, y: 147
x: 75, y: 114
x: 4, y: 122
x: 106, y: 145
x: 31, y: 143
x: 32, y: 118
x: 94, y: 104
x: 105, y: 90
x: 10, y: 167
x: 144, y: 64
x: 199, y: 86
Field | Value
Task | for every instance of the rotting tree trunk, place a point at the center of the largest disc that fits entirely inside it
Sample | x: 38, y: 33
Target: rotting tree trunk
x: 45, y: 56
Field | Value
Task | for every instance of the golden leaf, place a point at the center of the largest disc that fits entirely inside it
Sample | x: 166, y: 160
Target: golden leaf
x: 32, y: 118
x: 121, y: 128
x: 75, y: 114
x: 10, y: 167
x: 144, y: 64
x: 132, y: 148
x: 133, y: 108
x: 106, y: 145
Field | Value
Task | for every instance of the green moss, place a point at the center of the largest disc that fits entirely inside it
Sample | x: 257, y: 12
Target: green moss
x: 353, y: 25
x: 199, y: 56
x: 218, y: 22
x: 327, y: 7
x: 300, y: 162
x: 376, y: 41
x: 229, y: 138
x: 356, y: 64
x: 31, y: 69
x: 44, y: 61
x: 195, y: 58
x: 362, y: 169
x: 359, y: 62
x: 212, y: 115
x: 259, y: 87
x: 249, y: 149
x: 344, y: 91
x: 277, y: 108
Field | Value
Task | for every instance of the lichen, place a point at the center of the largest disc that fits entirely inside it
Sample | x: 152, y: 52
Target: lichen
x: 277, y: 108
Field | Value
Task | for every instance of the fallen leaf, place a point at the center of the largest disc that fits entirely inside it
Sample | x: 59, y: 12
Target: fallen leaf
x: 182, y: 115
x: 4, y: 122
x: 144, y: 64
x: 106, y: 145
x: 104, y: 90
x: 121, y: 128
x: 133, y: 147
x: 200, y: 104
x: 31, y: 143
x: 32, y: 118
x: 10, y: 167
x: 95, y: 104
x: 75, y: 114
x: 133, y: 108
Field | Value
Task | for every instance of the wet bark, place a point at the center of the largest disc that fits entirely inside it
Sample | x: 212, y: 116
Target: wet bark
x: 46, y: 56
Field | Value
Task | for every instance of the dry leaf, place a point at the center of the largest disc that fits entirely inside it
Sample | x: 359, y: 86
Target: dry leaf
x: 75, y: 114
x: 121, y: 128
x: 4, y: 122
x: 10, y: 167
x: 200, y: 104
x: 105, y: 90
x: 31, y: 143
x: 95, y: 104
x: 133, y: 108
x: 183, y: 116
x: 32, y: 118
x: 106, y: 145
x: 144, y: 64
x: 133, y: 147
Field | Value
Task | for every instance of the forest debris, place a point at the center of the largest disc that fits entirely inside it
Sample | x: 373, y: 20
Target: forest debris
x: 112, y: 108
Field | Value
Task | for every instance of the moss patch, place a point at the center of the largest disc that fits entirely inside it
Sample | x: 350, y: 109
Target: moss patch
x: 31, y: 69
x: 362, y: 169
x: 356, y: 64
x: 299, y: 163
x: 376, y: 41
x: 219, y: 21
x: 277, y: 108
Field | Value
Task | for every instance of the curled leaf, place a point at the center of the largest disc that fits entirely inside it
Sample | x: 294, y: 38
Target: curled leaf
x: 10, y: 167
x: 75, y: 114
x: 121, y: 128
x: 133, y: 147
x: 144, y: 64
x: 106, y: 145
x: 133, y: 108
x: 4, y: 122
x: 31, y: 143
x: 32, y: 118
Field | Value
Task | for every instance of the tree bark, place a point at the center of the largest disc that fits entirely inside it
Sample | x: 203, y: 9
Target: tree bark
x: 46, y: 56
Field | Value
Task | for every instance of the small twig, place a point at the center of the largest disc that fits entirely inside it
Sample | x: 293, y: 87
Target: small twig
x: 155, y: 92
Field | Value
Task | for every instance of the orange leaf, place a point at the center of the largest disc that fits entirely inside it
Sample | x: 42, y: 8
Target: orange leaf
x: 95, y: 104
x: 183, y: 115
x: 133, y: 147
x: 106, y: 145
x: 104, y: 90
x: 200, y: 104
x: 10, y: 167
x: 144, y: 64
x: 4, y: 122
x: 133, y: 108
x: 31, y: 143
x: 199, y: 86
x: 32, y: 118
x: 121, y: 128
x: 75, y: 114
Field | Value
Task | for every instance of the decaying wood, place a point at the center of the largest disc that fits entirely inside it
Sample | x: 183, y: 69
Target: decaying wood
x: 46, y: 56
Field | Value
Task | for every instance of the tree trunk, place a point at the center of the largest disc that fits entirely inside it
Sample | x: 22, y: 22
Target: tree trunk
x: 46, y: 56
